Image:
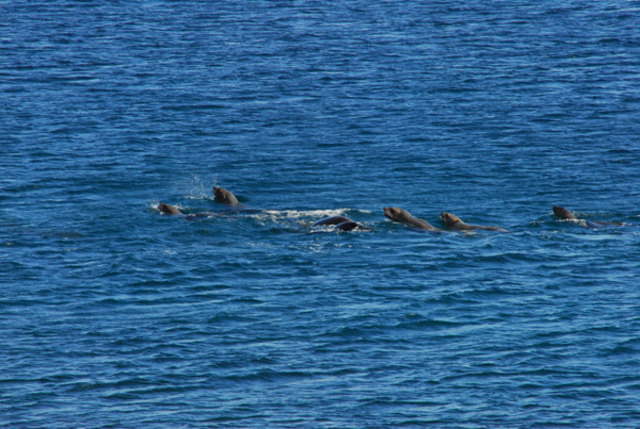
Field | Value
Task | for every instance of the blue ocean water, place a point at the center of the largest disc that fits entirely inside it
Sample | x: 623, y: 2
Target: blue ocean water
x: 115, y: 315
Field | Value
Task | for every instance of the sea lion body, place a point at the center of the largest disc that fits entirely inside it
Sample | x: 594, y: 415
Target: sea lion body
x: 349, y: 226
x: 341, y: 223
x: 402, y: 216
x: 333, y: 220
x: 565, y: 214
x: 455, y: 222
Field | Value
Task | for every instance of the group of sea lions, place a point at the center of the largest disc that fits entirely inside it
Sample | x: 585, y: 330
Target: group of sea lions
x: 452, y: 221
x: 343, y: 223
x: 221, y: 195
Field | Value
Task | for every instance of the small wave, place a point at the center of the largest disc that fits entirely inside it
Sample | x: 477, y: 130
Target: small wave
x: 297, y: 214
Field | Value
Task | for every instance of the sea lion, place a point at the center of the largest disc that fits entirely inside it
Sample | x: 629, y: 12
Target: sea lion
x: 565, y: 214
x: 341, y: 223
x: 174, y: 211
x: 402, y: 216
x: 455, y: 222
x: 224, y: 196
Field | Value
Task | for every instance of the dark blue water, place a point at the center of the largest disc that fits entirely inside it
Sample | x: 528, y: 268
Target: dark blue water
x: 113, y: 315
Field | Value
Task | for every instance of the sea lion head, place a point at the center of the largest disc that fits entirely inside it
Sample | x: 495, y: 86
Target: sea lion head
x: 563, y: 213
x: 224, y: 196
x: 395, y: 213
x: 167, y: 209
x: 450, y: 219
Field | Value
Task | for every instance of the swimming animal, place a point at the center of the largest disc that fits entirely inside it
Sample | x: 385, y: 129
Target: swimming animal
x: 341, y: 223
x: 225, y: 197
x: 455, y: 222
x: 565, y: 214
x: 402, y: 216
x: 222, y: 195
x: 174, y: 211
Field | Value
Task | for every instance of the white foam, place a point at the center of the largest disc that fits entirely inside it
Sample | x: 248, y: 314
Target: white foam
x: 156, y: 206
x: 297, y: 214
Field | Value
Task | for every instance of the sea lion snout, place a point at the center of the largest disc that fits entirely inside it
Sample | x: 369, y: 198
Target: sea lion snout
x: 392, y: 212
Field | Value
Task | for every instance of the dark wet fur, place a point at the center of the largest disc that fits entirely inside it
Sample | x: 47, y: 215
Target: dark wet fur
x: 168, y: 209
x: 563, y: 213
x: 351, y: 225
x: 333, y: 220
x: 341, y: 223
x: 225, y: 197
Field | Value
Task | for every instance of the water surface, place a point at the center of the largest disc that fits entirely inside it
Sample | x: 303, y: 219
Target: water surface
x: 114, y: 315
